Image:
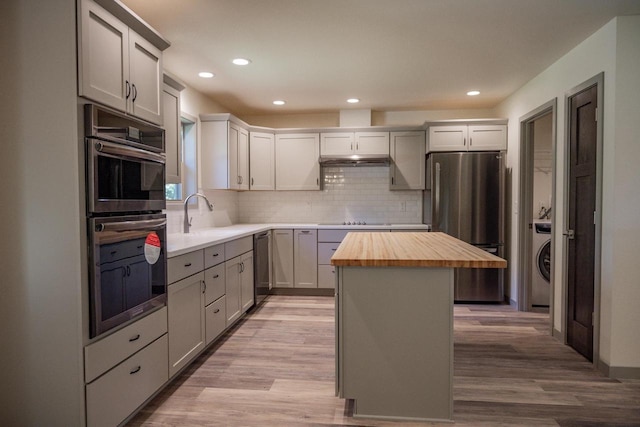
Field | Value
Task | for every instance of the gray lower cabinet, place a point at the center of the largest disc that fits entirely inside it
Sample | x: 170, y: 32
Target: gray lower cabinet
x: 208, y: 291
x: 283, y: 258
x: 239, y: 286
x: 305, y: 258
x: 185, y: 301
x: 215, y: 290
x: 328, y: 242
x: 115, y: 395
x: 126, y: 368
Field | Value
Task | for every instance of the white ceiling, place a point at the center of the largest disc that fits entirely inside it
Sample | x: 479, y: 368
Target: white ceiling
x: 392, y: 54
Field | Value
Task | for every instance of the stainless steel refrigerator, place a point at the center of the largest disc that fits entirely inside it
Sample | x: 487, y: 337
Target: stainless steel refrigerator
x: 467, y: 202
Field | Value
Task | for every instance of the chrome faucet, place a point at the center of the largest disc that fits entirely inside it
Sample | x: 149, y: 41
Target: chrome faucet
x: 187, y: 221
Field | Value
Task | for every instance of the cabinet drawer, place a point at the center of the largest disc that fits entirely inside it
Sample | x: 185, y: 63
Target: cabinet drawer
x: 332, y: 235
x: 326, y: 251
x: 237, y: 247
x: 326, y: 276
x: 102, y: 355
x: 114, y: 396
x: 184, y: 265
x: 216, y: 319
x: 214, y: 282
x: 338, y: 235
x: 213, y: 255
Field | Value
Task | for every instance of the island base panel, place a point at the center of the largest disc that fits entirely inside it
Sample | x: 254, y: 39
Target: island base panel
x: 395, y: 341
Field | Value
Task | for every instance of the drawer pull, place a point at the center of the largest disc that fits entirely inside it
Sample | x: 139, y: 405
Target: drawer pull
x: 216, y: 276
x: 135, y: 370
x: 188, y: 265
x: 216, y: 311
x: 334, y: 249
x: 215, y: 254
x: 136, y: 338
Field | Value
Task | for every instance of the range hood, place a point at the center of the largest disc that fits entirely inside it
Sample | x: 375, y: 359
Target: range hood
x: 355, y: 160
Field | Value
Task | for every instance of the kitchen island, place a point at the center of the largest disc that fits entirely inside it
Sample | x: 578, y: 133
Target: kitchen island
x: 394, y: 321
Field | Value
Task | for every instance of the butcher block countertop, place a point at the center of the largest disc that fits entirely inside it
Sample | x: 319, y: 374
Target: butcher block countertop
x: 410, y: 249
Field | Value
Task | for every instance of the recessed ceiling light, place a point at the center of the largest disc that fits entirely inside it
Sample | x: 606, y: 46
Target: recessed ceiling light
x: 205, y: 74
x: 241, y: 61
x: 278, y: 102
x: 353, y: 100
x: 473, y: 92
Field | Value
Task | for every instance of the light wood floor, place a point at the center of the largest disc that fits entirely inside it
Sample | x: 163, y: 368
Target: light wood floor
x: 276, y: 368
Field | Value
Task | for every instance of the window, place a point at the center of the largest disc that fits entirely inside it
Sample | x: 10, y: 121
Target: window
x: 177, y: 192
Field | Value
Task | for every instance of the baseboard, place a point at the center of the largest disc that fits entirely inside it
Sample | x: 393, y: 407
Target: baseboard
x: 618, y: 372
x: 558, y: 335
x: 314, y: 292
x: 513, y: 304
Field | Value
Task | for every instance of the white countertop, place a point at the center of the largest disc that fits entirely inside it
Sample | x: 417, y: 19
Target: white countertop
x: 180, y: 243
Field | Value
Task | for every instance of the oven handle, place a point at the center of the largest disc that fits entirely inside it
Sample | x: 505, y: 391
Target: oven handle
x: 150, y: 224
x: 123, y: 150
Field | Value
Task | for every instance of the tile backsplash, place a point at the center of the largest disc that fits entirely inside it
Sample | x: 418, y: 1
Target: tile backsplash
x: 348, y: 194
x: 225, y: 211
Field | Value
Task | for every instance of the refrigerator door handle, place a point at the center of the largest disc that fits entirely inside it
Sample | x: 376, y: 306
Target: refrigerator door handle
x: 436, y: 210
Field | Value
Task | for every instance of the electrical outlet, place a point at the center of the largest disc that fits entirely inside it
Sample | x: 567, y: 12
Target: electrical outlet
x: 403, y: 206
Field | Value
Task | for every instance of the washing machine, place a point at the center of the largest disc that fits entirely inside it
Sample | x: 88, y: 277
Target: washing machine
x: 541, y: 271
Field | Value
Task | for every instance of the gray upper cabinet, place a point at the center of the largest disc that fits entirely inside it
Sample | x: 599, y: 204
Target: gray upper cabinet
x: 225, y: 154
x: 117, y: 66
x: 262, y: 161
x: 297, y: 166
x: 172, y: 126
x: 408, y: 160
x: 354, y: 143
x: 478, y: 137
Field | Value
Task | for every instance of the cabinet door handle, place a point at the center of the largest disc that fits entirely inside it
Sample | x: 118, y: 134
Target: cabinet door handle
x: 135, y: 370
x: 188, y: 265
x: 128, y: 271
x: 464, y: 141
x: 136, y: 338
x: 216, y: 276
x: 252, y: 182
x: 204, y: 286
x: 128, y: 89
x: 216, y: 311
x: 135, y: 93
x: 357, y: 146
x: 317, y: 181
x: 470, y: 142
x: 391, y: 180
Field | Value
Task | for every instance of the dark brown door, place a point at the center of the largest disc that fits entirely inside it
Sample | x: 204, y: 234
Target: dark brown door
x: 581, y: 234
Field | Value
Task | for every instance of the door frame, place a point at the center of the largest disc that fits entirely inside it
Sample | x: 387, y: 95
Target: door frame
x: 598, y: 81
x: 525, y: 269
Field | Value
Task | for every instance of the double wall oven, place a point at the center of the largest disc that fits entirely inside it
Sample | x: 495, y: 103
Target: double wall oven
x: 125, y: 183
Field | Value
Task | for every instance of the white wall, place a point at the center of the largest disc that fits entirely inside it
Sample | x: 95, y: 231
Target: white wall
x: 378, y: 118
x: 621, y: 270
x: 42, y: 218
x: 612, y: 50
x: 225, y: 203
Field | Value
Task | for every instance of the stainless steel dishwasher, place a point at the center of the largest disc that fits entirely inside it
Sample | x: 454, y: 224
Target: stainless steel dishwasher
x: 262, y: 265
